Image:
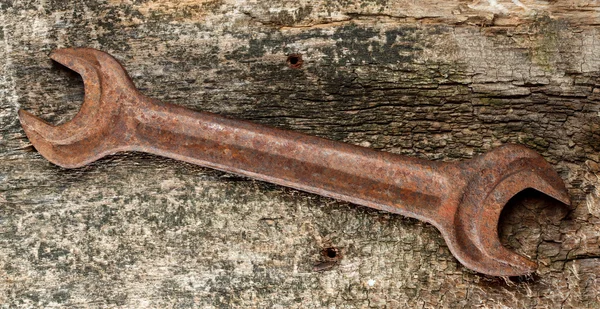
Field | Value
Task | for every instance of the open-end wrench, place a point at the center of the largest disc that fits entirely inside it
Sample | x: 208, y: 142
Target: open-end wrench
x: 462, y: 199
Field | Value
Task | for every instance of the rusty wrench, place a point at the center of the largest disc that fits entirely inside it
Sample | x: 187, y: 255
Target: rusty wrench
x: 463, y: 199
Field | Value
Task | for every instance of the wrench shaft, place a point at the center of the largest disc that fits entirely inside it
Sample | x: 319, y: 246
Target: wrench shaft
x: 404, y: 185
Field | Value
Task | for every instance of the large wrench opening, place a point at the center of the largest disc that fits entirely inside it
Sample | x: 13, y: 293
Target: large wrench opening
x: 463, y: 200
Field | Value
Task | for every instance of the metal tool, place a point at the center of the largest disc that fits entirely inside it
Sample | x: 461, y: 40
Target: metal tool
x: 463, y: 199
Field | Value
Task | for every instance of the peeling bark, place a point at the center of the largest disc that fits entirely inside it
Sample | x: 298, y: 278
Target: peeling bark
x: 443, y: 80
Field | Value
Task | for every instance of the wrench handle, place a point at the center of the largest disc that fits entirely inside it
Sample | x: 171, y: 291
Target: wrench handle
x: 409, y: 186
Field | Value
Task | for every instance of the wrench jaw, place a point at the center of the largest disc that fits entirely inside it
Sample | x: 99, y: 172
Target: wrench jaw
x: 83, y: 139
x: 504, y: 173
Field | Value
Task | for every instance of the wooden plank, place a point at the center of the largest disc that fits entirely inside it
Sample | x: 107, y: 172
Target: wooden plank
x: 439, y: 80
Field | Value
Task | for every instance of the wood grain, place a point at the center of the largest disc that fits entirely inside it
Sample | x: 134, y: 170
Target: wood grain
x: 442, y: 80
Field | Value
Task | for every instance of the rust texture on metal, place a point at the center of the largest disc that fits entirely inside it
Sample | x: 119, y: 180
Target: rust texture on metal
x: 463, y: 199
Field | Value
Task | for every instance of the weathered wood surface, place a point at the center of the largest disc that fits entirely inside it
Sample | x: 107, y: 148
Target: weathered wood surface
x: 443, y: 80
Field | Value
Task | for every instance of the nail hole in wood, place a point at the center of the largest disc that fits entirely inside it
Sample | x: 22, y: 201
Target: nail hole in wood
x: 295, y: 61
x: 331, y: 253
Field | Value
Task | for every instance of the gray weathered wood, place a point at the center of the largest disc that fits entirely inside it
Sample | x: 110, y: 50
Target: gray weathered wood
x: 443, y: 80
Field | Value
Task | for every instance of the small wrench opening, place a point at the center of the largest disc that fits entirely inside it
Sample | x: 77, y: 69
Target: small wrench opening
x: 70, y: 100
